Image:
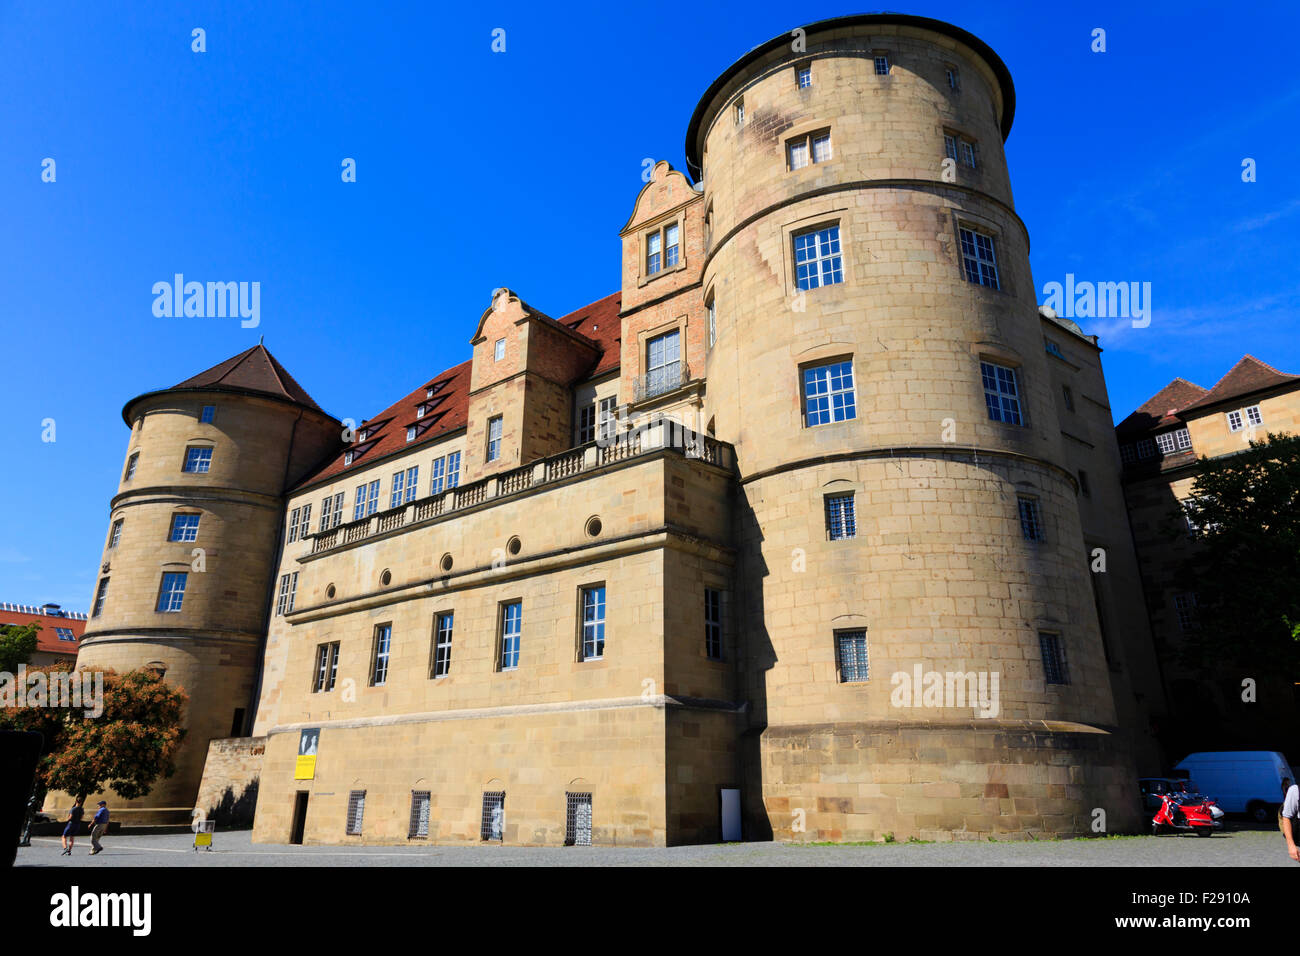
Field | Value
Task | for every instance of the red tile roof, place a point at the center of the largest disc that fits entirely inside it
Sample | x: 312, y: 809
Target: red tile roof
x: 47, y: 640
x: 254, y: 370
x: 449, y: 406
x: 1246, y: 377
x: 1161, y: 408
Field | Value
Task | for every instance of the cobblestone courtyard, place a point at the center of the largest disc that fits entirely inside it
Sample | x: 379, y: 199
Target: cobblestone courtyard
x: 1235, y: 848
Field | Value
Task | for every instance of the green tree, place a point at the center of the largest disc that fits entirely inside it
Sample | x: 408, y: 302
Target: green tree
x: 127, y: 748
x: 1245, y: 568
x: 17, y: 644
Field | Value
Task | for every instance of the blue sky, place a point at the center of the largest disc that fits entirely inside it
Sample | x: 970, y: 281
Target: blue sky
x: 477, y: 169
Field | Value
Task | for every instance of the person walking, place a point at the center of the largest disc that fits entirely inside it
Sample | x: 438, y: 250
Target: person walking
x: 99, y: 826
x: 73, y: 821
x: 1291, y: 820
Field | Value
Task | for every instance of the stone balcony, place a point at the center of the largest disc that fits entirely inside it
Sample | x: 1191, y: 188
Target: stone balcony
x: 661, y: 437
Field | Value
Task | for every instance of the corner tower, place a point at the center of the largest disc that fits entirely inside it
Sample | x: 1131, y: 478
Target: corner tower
x: 194, y: 535
x: 905, y: 511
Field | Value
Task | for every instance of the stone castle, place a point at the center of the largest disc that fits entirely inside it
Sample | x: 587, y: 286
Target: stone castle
x: 815, y: 529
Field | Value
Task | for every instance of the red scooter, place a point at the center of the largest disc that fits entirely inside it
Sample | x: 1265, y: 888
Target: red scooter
x: 1183, y: 812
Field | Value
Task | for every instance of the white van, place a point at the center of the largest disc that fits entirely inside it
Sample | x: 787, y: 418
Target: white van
x: 1242, y: 781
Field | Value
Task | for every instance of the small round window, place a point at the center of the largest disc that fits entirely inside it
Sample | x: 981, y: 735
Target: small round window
x: 593, y: 526
x: 386, y: 578
x: 513, y: 545
x: 329, y: 592
x: 445, y: 563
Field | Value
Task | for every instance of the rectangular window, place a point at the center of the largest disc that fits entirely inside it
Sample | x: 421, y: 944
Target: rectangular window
x: 664, y: 363
x: 356, y: 811
x: 797, y: 153
x: 1031, y: 521
x: 405, y: 484
x: 713, y: 322
x: 494, y: 439
x: 436, y: 472
x: 841, y: 521
x: 803, y: 77
x: 304, y: 527
x: 331, y: 512
x: 185, y: 527
x: 593, y: 623
x: 288, y: 592
x: 577, y: 819
x: 291, y: 534
x: 421, y: 411
x: 209, y: 413
x: 115, y: 535
x: 419, y: 826
x: 1146, y: 448
x: 1234, y: 421
x: 367, y: 502
x: 950, y: 146
x: 587, y: 424
x: 130, y: 466
x: 817, y: 257
x: 492, y: 825
x: 1174, y: 441
x: 198, y: 459
x: 968, y: 154
x: 653, y: 253
x: 979, y: 258
x: 739, y: 112
x: 1127, y: 454
x: 605, y: 420
x: 512, y: 623
x: 1185, y: 607
x: 327, y: 667
x: 1253, y: 415
x: 1054, y: 670
x: 379, y: 655
x: 441, y: 664
x: 453, y: 469
x: 851, y: 656
x: 713, y: 624
x: 64, y: 634
x: 100, y: 594
x: 882, y: 64
x: 1068, y: 397
x: 1083, y: 484
x: 828, y: 394
x: 499, y: 350
x: 172, y: 593
x: 672, y: 245
x: 347, y: 459
x: 411, y: 432
x: 809, y: 148
x: 1001, y: 393
x: 953, y: 78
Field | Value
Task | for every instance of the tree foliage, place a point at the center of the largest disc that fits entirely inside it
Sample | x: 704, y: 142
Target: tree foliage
x: 127, y: 748
x: 17, y: 645
x: 1245, y: 568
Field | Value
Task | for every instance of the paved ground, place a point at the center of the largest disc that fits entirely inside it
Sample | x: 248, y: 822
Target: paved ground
x: 1236, y: 848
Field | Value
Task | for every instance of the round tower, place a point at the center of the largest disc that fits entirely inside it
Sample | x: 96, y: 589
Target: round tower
x: 905, y: 516
x: 195, y: 529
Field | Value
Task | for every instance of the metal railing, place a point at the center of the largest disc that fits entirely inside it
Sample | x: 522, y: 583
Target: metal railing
x: 660, y: 381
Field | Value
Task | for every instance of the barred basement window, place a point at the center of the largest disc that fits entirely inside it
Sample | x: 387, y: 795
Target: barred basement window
x: 882, y: 64
x: 577, y: 819
x: 851, y: 656
x: 1054, y: 669
x: 841, y: 520
x: 356, y: 811
x: 1031, y: 520
x: 493, y: 824
x: 419, y: 828
x: 713, y: 624
x: 1185, y: 607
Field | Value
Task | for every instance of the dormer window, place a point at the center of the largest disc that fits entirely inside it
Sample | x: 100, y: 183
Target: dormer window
x: 428, y: 392
x: 662, y: 249
x: 347, y: 459
x: 411, y: 432
x: 419, y: 412
x: 363, y: 434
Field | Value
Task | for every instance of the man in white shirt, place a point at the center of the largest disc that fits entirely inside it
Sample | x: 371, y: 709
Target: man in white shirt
x: 1291, y: 819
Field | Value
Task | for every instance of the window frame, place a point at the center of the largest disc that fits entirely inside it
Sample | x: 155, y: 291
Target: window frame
x: 989, y: 370
x: 808, y: 141
x: 509, y: 643
x: 115, y: 533
x: 186, y: 536
x: 174, y: 596
x: 381, y: 653
x: 860, y: 666
x: 1030, y: 515
x: 493, y: 450
x: 659, y: 235
x: 847, y: 408
x: 596, y: 626
x: 714, y: 617
x: 194, y: 456
x: 440, y: 653
x: 973, y: 266
x: 845, y: 521
x: 207, y: 414
x: 1054, y: 641
x: 827, y: 264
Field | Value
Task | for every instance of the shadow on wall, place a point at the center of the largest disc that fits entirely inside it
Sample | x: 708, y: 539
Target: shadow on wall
x: 760, y: 657
x: 236, y: 813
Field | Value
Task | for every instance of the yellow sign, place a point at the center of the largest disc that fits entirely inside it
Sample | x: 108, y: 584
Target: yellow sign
x: 308, y: 741
x: 202, y: 839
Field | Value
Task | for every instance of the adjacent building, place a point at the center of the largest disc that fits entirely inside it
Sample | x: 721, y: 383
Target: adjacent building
x: 59, y: 635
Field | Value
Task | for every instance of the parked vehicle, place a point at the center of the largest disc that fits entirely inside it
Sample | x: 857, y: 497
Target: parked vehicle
x: 1186, y: 812
x: 1152, y: 789
x: 1242, y: 781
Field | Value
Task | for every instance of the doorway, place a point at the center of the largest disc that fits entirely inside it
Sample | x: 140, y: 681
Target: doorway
x: 731, y: 816
x: 299, y: 817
